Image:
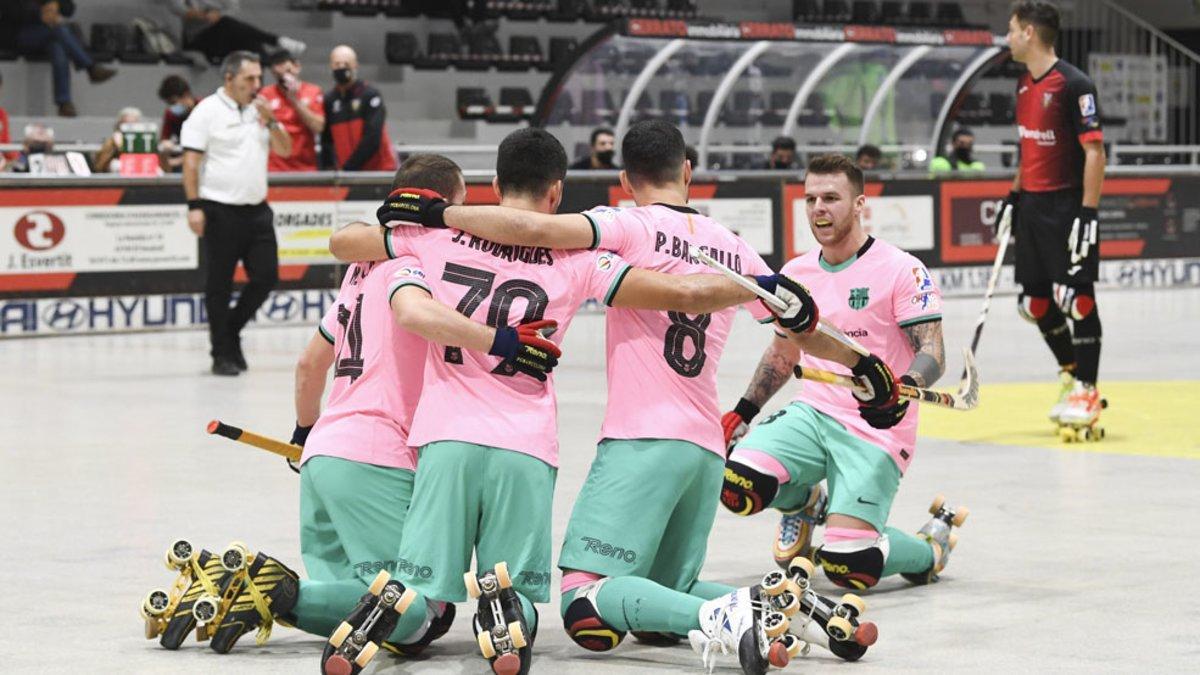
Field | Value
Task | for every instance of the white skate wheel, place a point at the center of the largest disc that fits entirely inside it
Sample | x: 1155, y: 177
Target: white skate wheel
x: 405, y: 601
x: 854, y: 603
x: 180, y: 553
x: 516, y: 634
x: 801, y: 567
x: 485, y: 644
x: 339, y: 636
x: 938, y: 502
x: 839, y: 628
x: 960, y: 516
x: 775, y: 624
x: 156, y: 603
x: 502, y: 577
x: 774, y: 583
x: 368, y: 652
x: 379, y: 582
x: 472, y: 583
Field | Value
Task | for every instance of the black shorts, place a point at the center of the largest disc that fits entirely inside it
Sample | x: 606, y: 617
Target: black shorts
x: 1044, y: 221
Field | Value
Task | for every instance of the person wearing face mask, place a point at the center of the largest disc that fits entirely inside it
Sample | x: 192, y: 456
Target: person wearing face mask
x: 961, y: 159
x: 300, y: 108
x: 177, y: 94
x: 601, y: 157
x: 355, y: 136
x: 783, y: 154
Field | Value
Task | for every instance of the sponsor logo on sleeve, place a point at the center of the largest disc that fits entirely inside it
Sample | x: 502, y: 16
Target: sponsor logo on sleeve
x: 1087, y: 105
x: 409, y: 273
x: 604, y: 262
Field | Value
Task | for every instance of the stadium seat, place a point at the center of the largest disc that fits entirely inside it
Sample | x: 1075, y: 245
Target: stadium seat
x: 864, y: 12
x: 606, y: 10
x: 524, y: 51
x: 473, y: 103
x: 777, y: 107
x: 515, y: 104
x: 891, y: 13
x: 443, y: 49
x: 646, y: 8
x: 562, y: 51
x: 567, y: 10
x: 1003, y: 109
x: 483, y: 50
x: 596, y: 107
x: 401, y: 48
x: 680, y: 9
x: 563, y: 110
x: 806, y: 11
x: 745, y: 109
x: 920, y: 13
x: 673, y: 105
x: 835, y: 11
x: 703, y: 100
x: 106, y: 40
x: 950, y: 14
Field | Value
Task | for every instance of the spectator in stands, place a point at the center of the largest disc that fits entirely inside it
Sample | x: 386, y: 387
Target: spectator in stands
x: 208, y: 28
x: 177, y: 94
x: 299, y: 107
x: 355, y: 136
x: 602, y: 145
x: 868, y: 157
x: 107, y: 158
x: 962, y: 144
x: 9, y: 157
x: 783, y: 154
x: 38, y: 156
x: 44, y: 31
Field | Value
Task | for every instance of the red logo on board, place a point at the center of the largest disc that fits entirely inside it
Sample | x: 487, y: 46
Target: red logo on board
x: 39, y: 230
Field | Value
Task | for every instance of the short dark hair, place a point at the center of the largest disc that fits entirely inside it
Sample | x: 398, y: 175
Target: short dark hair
x: 598, y: 132
x: 529, y: 161
x: 279, y: 56
x: 783, y: 143
x: 869, y: 150
x: 430, y: 172
x: 653, y: 152
x: 832, y: 163
x: 961, y: 131
x: 1042, y: 15
x: 692, y: 156
x: 232, y: 65
x: 173, y: 86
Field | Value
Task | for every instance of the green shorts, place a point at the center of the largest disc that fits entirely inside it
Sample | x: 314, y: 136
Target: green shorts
x: 645, y: 510
x: 351, y: 517
x: 811, y: 445
x: 473, y: 497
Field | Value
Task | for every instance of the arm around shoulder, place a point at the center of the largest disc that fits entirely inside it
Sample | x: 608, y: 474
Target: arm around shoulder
x: 359, y: 242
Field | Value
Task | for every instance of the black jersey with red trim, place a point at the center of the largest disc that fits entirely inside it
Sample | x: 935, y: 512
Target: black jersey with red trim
x: 355, y: 136
x: 1056, y: 114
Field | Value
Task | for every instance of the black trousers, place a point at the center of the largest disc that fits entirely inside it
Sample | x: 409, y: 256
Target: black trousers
x: 233, y: 233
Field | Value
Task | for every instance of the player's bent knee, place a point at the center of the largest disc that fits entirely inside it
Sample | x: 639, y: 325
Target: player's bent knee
x: 1076, y: 301
x: 855, y: 564
x: 584, y: 624
x: 1032, y: 307
x: 747, y: 490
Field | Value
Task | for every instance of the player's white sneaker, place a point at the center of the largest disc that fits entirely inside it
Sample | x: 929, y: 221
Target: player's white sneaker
x: 1067, y: 381
x: 737, y: 625
x: 793, y: 539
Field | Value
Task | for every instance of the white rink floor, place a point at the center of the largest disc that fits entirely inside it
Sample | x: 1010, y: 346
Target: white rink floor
x: 1071, y: 560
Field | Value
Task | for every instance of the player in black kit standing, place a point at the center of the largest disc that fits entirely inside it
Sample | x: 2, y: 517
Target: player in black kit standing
x: 1055, y: 196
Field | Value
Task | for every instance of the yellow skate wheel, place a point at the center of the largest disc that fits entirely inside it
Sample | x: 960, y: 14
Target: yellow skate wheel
x: 787, y: 602
x: 405, y: 601
x: 472, y: 583
x: 1066, y: 434
x: 839, y: 628
x: 379, y: 582
x: 340, y: 634
x: 368, y: 652
x: 801, y: 567
x: 794, y: 588
x: 485, y: 644
x: 855, y: 603
x: 775, y: 624
x: 774, y: 583
x: 502, y: 577
x: 179, y: 554
x: 960, y: 516
x: 156, y: 602
x: 793, y: 644
x: 938, y: 502
x: 517, y: 635
x: 953, y: 541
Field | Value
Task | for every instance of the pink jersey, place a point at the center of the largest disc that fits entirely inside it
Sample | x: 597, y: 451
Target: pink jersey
x: 377, y: 373
x: 473, y: 397
x: 872, y: 297
x: 662, y: 366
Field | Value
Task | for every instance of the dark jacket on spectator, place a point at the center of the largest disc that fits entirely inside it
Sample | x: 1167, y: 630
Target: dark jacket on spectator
x: 355, y: 136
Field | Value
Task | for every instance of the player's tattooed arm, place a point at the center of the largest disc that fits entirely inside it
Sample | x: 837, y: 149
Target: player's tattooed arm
x: 773, y: 371
x: 929, y: 361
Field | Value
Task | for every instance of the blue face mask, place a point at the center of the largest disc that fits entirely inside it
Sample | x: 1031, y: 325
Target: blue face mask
x: 177, y: 109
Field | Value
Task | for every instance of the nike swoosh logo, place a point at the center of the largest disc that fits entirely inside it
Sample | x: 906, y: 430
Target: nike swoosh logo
x: 863, y: 501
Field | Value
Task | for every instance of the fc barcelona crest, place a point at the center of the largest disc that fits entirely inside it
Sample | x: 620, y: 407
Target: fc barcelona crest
x: 859, y: 297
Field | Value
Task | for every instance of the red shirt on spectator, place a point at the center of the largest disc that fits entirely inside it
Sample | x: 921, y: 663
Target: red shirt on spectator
x: 5, y: 137
x: 304, y: 146
x: 172, y: 124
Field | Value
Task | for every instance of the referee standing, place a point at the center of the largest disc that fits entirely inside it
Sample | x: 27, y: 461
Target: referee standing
x: 225, y: 142
x: 1055, y: 196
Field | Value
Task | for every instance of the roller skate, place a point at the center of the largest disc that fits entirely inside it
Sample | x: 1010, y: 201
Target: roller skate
x: 1080, y: 419
x: 745, y: 623
x: 794, y: 536
x: 937, y: 533
x: 359, y: 637
x: 500, y: 626
x: 195, y: 598
x: 266, y: 589
x: 439, y: 625
x: 815, y: 619
x: 1066, y: 385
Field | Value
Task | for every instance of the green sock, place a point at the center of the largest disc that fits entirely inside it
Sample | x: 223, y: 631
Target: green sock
x: 411, y: 621
x: 907, y: 553
x: 322, y: 605
x: 634, y: 603
x: 529, y: 612
x: 707, y: 590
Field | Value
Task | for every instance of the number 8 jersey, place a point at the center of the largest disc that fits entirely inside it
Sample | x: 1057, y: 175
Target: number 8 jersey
x: 662, y: 366
x: 473, y: 397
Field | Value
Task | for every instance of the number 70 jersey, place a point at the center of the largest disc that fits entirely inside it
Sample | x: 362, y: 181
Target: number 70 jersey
x: 662, y: 366
x: 474, y: 397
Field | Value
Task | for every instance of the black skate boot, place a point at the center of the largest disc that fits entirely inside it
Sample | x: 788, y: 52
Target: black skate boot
x: 266, y: 589
x: 439, y: 625
x: 815, y: 619
x: 169, y: 612
x: 938, y: 533
x: 358, y: 638
x: 500, y: 626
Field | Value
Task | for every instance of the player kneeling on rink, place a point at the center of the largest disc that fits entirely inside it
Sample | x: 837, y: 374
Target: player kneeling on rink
x: 886, y: 299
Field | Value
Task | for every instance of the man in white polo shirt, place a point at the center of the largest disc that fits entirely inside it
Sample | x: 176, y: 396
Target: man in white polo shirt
x: 225, y: 142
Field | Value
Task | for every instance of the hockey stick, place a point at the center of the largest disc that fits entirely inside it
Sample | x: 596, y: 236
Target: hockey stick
x: 1002, y: 235
x: 967, y: 397
x: 287, y: 450
x: 824, y: 326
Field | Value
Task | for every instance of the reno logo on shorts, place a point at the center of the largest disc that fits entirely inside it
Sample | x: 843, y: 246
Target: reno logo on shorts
x: 608, y: 550
x: 535, y: 579
x: 413, y: 570
x: 859, y: 297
